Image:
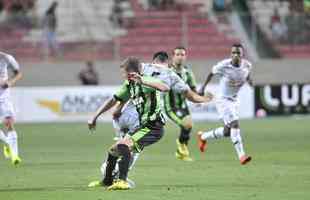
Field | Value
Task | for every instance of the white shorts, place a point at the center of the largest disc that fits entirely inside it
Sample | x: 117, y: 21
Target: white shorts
x: 6, y: 109
x: 129, y: 120
x: 228, y: 110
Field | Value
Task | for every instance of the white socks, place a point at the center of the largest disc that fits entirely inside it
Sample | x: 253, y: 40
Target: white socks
x: 234, y: 136
x: 213, y: 134
x: 3, y: 137
x: 237, y: 141
x: 12, y: 142
x: 134, y: 158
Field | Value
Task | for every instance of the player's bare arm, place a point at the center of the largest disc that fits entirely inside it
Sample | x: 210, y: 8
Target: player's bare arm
x: 105, y: 107
x: 154, y: 84
x: 208, y: 79
x: 194, y: 97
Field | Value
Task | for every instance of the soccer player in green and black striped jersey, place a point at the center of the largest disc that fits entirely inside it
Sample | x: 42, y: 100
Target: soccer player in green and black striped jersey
x: 175, y: 104
x: 145, y: 95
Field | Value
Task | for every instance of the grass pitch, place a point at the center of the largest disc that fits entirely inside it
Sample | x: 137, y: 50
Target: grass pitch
x: 59, y: 160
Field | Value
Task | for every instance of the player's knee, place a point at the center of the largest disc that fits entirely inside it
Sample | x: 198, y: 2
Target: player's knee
x: 187, y: 126
x: 9, y: 123
x: 187, y: 123
x: 126, y: 141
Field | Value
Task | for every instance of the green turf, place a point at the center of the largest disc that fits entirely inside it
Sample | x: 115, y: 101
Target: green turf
x: 60, y: 159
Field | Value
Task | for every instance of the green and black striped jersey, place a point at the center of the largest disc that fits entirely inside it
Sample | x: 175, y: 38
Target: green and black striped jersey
x: 175, y: 101
x: 145, y: 99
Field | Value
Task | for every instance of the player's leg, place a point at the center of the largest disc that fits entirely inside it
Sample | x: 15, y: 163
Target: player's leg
x: 184, y: 136
x: 6, y: 148
x: 117, y: 129
x: 3, y: 137
x: 123, y: 149
x: 182, y: 149
x: 12, y: 140
x: 133, y: 160
x: 8, y: 111
x: 223, y: 107
x: 143, y: 137
x: 236, y: 139
x: 107, y: 169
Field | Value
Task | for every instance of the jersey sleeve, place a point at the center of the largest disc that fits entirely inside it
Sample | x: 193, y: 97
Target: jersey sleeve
x: 150, y: 79
x: 218, y: 69
x: 122, y: 94
x: 12, y: 62
x: 191, y: 81
x: 177, y: 84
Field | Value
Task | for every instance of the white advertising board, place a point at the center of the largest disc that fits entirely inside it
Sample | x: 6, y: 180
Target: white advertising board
x: 77, y: 104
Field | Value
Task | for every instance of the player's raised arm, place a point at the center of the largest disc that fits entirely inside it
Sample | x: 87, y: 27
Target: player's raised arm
x: 149, y: 81
x: 208, y: 79
x: 194, y: 97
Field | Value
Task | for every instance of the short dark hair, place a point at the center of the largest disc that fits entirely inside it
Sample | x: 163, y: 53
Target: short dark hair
x: 179, y: 47
x: 131, y: 64
x: 161, y: 56
x: 237, y: 45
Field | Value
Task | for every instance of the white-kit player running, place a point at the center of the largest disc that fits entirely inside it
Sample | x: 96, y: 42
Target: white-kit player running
x: 8, y: 135
x: 125, y: 118
x: 234, y: 73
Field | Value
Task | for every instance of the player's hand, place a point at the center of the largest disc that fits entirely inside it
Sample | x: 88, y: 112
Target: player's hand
x: 209, y: 96
x: 134, y: 76
x: 92, y: 124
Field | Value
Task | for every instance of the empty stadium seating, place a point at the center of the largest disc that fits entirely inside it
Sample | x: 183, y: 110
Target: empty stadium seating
x: 85, y: 32
x: 262, y: 11
x: 163, y: 30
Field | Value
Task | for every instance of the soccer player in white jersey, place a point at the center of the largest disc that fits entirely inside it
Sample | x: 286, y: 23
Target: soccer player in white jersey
x: 8, y: 135
x: 234, y: 73
x: 125, y: 117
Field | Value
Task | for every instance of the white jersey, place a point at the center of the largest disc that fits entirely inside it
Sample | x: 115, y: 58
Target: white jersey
x: 6, y: 61
x: 232, y: 78
x: 166, y: 75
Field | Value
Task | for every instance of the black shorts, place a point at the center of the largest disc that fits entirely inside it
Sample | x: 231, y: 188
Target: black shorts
x: 148, y: 134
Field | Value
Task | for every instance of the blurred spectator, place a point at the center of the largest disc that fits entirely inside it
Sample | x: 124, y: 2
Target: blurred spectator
x: 126, y: 14
x: 278, y: 29
x: 17, y: 14
x: 88, y: 75
x: 49, y: 29
x: 295, y: 23
x: 116, y: 14
x: 167, y: 4
x: 122, y: 14
x: 154, y: 4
